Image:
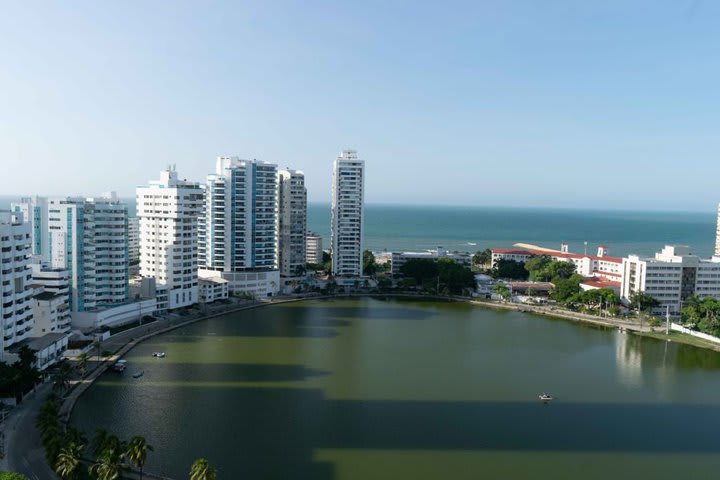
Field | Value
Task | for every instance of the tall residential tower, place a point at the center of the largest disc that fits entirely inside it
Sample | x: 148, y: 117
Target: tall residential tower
x: 88, y: 237
x: 237, y: 237
x: 717, y: 235
x: 292, y: 222
x: 347, y: 224
x: 168, y: 210
x: 16, y: 316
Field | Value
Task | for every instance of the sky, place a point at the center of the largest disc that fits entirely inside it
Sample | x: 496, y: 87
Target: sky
x: 592, y: 104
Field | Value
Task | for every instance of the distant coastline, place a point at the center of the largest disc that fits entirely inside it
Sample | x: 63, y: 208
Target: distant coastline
x: 416, y: 227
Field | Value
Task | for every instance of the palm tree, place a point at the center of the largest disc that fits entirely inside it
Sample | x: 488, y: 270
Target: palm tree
x: 137, y: 451
x: 99, y: 441
x: 201, y: 470
x: 82, y: 361
x: 61, y: 381
x: 108, y: 466
x: 68, y: 461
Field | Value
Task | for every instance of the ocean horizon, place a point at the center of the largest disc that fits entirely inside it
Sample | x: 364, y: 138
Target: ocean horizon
x: 397, y: 227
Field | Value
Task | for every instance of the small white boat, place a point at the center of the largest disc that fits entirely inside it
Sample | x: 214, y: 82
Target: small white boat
x: 158, y: 354
x: 545, y: 397
x: 139, y: 374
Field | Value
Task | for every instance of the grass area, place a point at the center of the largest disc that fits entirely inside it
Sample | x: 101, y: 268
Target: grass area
x: 681, y: 338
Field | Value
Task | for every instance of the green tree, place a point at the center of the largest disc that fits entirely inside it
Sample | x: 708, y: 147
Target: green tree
x: 68, y: 461
x: 502, y: 290
x: 99, y: 441
x: 420, y: 270
x: 82, y: 362
x: 201, y: 470
x: 61, y: 379
x: 482, y: 258
x: 108, y: 466
x: 642, y: 301
x: 537, y: 267
x: 560, y: 270
x: 566, y: 288
x: 12, y: 476
x: 454, y: 276
x: 510, y: 269
x: 369, y: 265
x: 137, y: 451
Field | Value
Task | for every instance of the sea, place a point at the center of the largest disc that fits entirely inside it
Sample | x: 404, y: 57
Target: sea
x: 470, y: 229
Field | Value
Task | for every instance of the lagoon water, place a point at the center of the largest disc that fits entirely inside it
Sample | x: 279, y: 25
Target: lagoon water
x: 388, y: 389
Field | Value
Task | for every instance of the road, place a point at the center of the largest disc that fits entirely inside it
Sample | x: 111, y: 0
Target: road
x: 25, y: 453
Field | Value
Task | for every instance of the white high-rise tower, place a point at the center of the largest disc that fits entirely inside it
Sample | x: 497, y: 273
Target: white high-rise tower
x: 88, y: 237
x: 717, y: 235
x: 16, y: 316
x: 238, y: 235
x: 292, y: 218
x: 347, y: 224
x: 168, y: 210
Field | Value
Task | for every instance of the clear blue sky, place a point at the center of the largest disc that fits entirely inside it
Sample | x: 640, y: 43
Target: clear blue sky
x: 546, y: 103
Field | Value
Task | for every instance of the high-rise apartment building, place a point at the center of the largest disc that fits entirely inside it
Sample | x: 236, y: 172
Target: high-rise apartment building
x: 292, y: 222
x: 88, y: 237
x: 168, y: 212
x: 717, y: 235
x: 237, y: 237
x: 16, y: 317
x: 347, y: 224
x: 314, y: 248
x: 34, y: 212
x: 133, y: 240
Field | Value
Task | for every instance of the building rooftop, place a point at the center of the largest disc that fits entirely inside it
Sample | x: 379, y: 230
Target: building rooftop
x: 47, y: 296
x: 39, y: 343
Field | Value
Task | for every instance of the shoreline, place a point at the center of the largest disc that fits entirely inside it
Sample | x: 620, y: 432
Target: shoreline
x: 81, y: 386
x: 646, y: 330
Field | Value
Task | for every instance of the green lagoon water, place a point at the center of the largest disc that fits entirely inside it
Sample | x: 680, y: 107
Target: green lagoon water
x: 388, y: 389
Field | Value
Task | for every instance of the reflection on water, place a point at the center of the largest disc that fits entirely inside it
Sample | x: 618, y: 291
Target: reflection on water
x: 628, y: 359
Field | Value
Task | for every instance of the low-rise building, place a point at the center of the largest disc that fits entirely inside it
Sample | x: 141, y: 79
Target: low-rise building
x: 600, y: 265
x: 51, y: 312
x: 596, y: 283
x: 212, y: 289
x: 398, y: 259
x: 48, y: 348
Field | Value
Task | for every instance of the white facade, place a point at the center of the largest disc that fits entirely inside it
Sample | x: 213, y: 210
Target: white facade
x: 398, y: 259
x: 347, y: 215
x: 115, y: 315
x: 133, y: 240
x: 717, y: 235
x: 51, y: 300
x: 168, y: 212
x: 292, y: 222
x: 313, y: 248
x: 258, y: 284
x: 35, y: 212
x: 601, y: 265
x: 51, y: 313
x: 673, y: 275
x: 213, y: 289
x: 88, y: 237
x: 238, y: 235
x: 16, y: 316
